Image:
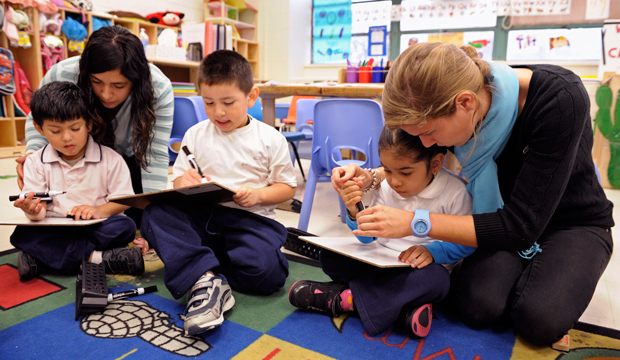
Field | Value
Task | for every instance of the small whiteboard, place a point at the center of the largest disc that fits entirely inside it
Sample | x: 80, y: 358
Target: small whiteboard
x: 373, y: 253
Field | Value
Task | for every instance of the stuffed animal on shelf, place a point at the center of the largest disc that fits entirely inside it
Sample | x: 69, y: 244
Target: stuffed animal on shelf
x: 166, y: 18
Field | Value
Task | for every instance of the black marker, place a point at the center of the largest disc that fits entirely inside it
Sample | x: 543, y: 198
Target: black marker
x: 133, y: 292
x: 47, y: 195
x: 360, y: 206
x: 192, y: 160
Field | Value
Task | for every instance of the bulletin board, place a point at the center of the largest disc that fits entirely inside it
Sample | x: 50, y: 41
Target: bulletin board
x: 576, y: 18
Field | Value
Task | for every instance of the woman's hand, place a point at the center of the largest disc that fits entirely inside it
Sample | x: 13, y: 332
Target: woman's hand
x: 20, y: 170
x: 351, y: 194
x: 342, y: 174
x: 417, y: 256
x: 85, y: 212
x: 383, y: 221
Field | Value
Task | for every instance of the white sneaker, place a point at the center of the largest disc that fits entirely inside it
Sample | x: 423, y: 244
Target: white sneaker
x: 209, y: 299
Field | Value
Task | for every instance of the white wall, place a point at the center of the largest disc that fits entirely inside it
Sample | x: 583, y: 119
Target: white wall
x: 193, y: 9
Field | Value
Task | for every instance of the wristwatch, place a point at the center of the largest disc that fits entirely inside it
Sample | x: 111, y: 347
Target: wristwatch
x: 421, y: 223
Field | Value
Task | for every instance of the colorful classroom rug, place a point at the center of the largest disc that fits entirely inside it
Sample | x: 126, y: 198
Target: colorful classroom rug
x: 37, y: 320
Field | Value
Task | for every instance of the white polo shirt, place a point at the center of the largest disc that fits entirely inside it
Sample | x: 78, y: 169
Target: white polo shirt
x: 256, y: 155
x: 99, y: 175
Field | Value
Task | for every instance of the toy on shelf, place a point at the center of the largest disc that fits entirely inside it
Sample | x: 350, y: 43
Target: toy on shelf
x: 166, y: 18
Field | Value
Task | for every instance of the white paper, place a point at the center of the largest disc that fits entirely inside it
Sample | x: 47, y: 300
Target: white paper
x: 367, y: 14
x: 376, y: 50
x: 48, y: 221
x: 597, y: 9
x: 373, y: 253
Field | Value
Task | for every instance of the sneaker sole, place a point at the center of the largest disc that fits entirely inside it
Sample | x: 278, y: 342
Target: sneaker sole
x: 192, y: 328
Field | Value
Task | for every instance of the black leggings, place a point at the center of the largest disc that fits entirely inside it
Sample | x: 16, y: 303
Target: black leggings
x: 543, y: 297
x: 136, y: 181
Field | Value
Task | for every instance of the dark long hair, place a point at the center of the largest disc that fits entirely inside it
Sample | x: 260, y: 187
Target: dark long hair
x: 111, y: 48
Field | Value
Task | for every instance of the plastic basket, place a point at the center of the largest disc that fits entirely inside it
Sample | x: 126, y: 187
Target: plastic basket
x: 294, y: 244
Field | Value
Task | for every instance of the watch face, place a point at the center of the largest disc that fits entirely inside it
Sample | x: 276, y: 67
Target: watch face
x: 420, y: 226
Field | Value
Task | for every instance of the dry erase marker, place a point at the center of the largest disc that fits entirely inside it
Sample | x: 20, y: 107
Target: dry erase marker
x: 360, y: 206
x: 45, y: 194
x: 192, y: 161
x: 133, y: 292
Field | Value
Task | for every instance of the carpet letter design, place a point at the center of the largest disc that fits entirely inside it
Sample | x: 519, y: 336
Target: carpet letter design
x: 125, y: 319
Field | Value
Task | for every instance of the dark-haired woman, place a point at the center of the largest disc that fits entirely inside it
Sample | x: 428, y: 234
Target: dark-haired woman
x: 131, y: 100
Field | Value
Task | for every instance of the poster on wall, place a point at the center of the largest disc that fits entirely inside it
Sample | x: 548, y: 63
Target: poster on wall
x: 610, y: 59
x: 439, y: 14
x: 555, y: 44
x: 533, y: 7
x: 367, y: 14
x: 482, y: 41
x: 331, y: 31
x: 359, y: 50
x: 597, y: 9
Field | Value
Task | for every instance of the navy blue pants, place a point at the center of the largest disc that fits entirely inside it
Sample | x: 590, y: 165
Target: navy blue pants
x: 193, y: 239
x: 379, y: 294
x: 63, y: 247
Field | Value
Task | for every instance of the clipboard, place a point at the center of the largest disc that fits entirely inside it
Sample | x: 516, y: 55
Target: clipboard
x: 373, y: 253
x: 207, y: 193
x: 22, y: 220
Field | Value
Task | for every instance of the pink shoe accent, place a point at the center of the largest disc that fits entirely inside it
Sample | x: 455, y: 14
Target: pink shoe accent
x: 317, y: 291
x: 346, y: 300
x: 421, y: 320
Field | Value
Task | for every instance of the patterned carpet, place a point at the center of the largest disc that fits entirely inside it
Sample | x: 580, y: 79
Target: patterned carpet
x: 37, y: 320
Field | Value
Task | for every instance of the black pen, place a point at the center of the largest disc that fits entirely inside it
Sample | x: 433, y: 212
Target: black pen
x: 192, y: 160
x: 44, y: 195
x: 133, y: 292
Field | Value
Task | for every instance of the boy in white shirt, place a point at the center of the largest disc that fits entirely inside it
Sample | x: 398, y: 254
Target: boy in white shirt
x: 90, y: 174
x: 207, y: 247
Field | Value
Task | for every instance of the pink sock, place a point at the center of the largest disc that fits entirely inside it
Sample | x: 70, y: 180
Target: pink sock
x: 346, y: 300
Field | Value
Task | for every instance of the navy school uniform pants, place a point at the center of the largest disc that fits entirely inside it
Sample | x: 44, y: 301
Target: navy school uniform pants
x: 193, y: 239
x: 63, y: 247
x: 379, y: 294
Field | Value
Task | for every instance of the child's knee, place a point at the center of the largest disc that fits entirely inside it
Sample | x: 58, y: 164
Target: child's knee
x: 266, y: 276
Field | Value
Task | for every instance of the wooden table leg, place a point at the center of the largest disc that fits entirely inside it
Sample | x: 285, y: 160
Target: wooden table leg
x: 269, y: 111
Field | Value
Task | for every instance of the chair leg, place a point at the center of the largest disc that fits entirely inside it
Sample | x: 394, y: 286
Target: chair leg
x: 298, y: 160
x: 343, y: 210
x: 306, y: 205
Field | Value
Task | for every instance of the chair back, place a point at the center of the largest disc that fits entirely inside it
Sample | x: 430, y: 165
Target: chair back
x: 186, y: 114
x: 305, y: 117
x: 292, y: 110
x: 339, y: 124
x: 201, y: 106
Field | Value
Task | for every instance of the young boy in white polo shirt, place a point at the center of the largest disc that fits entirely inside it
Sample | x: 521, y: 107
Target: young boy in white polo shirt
x: 90, y: 174
x: 206, y: 248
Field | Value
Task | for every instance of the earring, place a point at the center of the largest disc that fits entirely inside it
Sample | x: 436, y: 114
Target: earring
x: 471, y: 109
x: 434, y: 174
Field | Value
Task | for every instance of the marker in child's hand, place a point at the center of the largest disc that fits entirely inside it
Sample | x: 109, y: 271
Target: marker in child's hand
x: 192, y: 161
x: 43, y: 195
x: 360, y: 206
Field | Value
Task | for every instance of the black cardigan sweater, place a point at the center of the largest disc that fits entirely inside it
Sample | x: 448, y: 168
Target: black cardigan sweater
x: 546, y: 173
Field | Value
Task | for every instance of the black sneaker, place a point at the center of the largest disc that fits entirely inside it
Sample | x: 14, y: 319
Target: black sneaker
x: 418, y: 320
x: 123, y: 260
x: 28, y: 267
x: 314, y: 295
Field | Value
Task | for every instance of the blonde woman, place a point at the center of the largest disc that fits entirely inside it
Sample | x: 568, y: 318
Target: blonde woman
x: 541, y: 220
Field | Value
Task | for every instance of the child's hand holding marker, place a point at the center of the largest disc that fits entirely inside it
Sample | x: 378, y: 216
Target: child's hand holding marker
x: 418, y: 256
x: 194, y: 175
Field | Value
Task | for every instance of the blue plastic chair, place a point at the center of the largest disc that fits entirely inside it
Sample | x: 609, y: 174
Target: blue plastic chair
x: 256, y: 111
x: 201, y: 106
x: 186, y: 115
x: 353, y: 124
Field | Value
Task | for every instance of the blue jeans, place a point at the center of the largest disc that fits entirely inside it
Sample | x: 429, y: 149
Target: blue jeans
x: 63, y: 247
x: 543, y: 297
x: 380, y: 294
x: 193, y: 239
